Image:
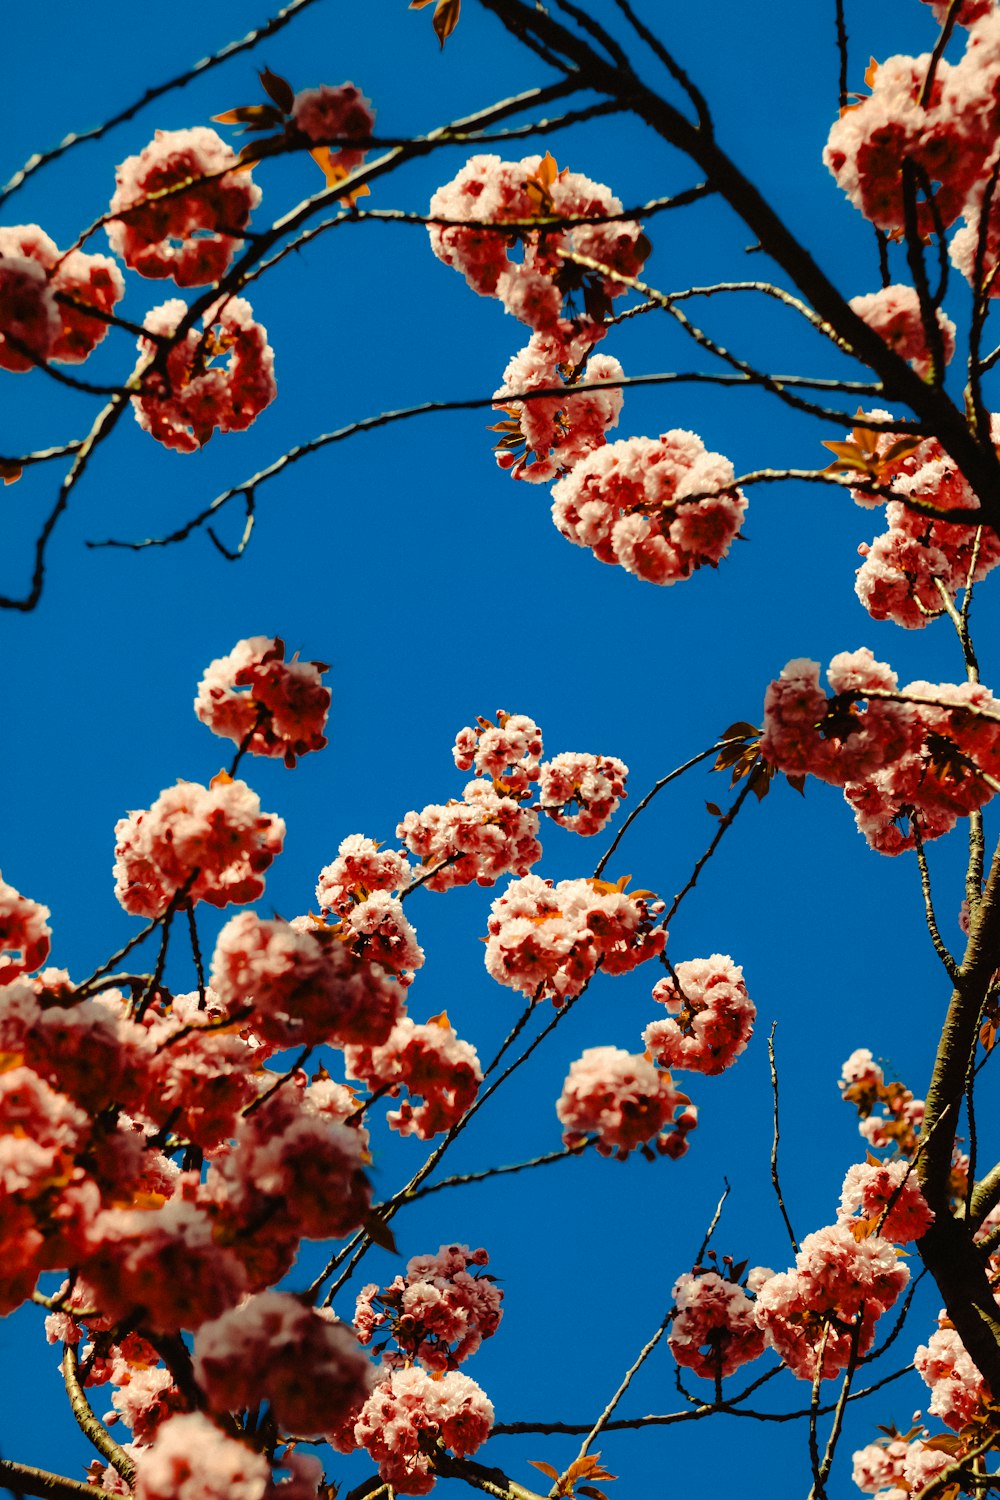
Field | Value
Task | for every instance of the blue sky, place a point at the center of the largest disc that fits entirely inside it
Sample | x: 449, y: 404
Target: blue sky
x: 439, y: 589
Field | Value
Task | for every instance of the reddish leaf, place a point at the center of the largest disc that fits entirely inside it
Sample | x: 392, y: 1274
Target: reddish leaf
x: 278, y: 89
x: 714, y: 809
x: 446, y: 14
x: 10, y: 472
x: 536, y: 1463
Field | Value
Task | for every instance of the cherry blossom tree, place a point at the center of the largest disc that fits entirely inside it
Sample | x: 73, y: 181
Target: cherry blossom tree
x: 194, y: 1120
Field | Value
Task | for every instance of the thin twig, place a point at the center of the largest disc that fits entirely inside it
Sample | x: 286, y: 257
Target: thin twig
x: 775, y: 1138
x: 88, y: 1422
x: 644, y: 803
x: 725, y: 823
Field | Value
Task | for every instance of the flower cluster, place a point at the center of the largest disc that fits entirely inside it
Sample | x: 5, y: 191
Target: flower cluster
x: 838, y: 1290
x: 409, y: 1413
x: 438, y: 1313
x: 431, y: 1063
x: 213, y: 843
x: 711, y: 1016
x: 51, y: 305
x: 927, y: 756
x: 904, y: 570
x: 582, y: 792
x: 871, y: 1186
x: 659, y: 507
x: 623, y: 1102
x: 507, y: 751
x: 905, y: 150
x: 182, y: 406
x: 894, y: 1468
x: 330, y: 115
x: 361, y: 867
x: 958, y: 1390
x: 894, y: 313
x: 542, y: 288
x: 714, y: 1331
x: 24, y: 933
x: 277, y: 707
x: 547, y: 939
x: 304, y: 987
x: 544, y: 438
x: 301, y: 1361
x: 179, y: 206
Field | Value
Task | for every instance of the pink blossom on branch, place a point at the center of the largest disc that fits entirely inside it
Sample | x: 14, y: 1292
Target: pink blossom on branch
x: 629, y: 503
x: 182, y: 407
x: 214, y: 840
x: 550, y: 940
x: 431, y: 1063
x: 625, y: 1102
x: 544, y: 438
x: 838, y: 1283
x: 711, y: 1016
x: 713, y: 1332
x: 173, y: 223
x: 582, y: 792
x: 281, y: 706
x: 894, y: 313
x: 91, y: 281
x: 305, y: 1364
x: 192, y: 1459
x: 552, y: 295
x: 325, y: 113
x: 409, y: 1412
x: 24, y: 934
x: 871, y: 1186
x: 438, y: 1313
x: 361, y: 867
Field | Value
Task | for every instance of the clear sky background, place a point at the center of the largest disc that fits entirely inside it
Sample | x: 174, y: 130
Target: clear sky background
x: 439, y: 589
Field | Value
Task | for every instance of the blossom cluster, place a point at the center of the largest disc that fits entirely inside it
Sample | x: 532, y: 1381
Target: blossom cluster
x: 436, y: 1314
x: 623, y: 1102
x: 829, y: 1303
x: 179, y: 206
x: 928, y: 753
x: 549, y: 940
x: 194, y: 395
x: 542, y: 287
x: 658, y: 507
x: 919, y: 151
x: 914, y: 569
x: 254, y: 695
x: 710, y: 1017
x: 714, y: 1330
x: 52, y: 305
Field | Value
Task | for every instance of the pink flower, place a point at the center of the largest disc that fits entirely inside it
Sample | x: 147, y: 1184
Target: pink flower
x: 438, y: 1313
x: 213, y: 839
x: 24, y: 934
x: 307, y: 1366
x: 552, y: 295
x: 660, y: 508
x: 711, y: 1016
x: 713, y: 1332
x: 76, y: 282
x: 196, y: 396
x: 406, y: 1415
x: 894, y: 313
x: 303, y: 987
x: 959, y: 1392
x: 191, y: 1459
x: 326, y: 113
x: 550, y: 940
x: 542, y: 439
x: 837, y: 1281
x: 172, y: 223
x: 29, y: 316
x: 361, y: 867
x: 486, y: 835
x: 431, y: 1063
x: 253, y: 693
x: 582, y: 792
x: 625, y: 1101
x: 871, y: 1186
